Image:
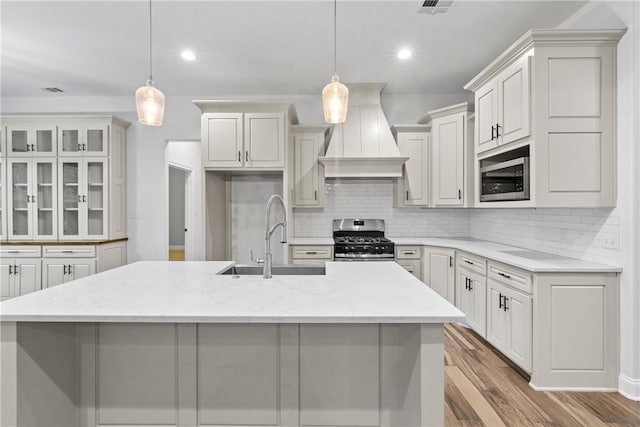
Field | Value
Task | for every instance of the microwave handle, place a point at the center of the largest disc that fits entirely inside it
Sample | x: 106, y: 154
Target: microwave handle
x: 507, y: 164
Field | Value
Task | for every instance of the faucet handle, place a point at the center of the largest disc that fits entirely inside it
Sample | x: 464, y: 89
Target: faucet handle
x: 259, y: 261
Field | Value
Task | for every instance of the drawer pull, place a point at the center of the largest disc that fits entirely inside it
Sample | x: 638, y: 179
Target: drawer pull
x: 468, y: 262
x: 409, y: 252
x: 506, y: 276
x: 312, y: 252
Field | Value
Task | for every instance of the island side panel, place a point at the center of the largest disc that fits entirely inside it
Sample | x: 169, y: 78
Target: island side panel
x: 422, y: 375
x: 38, y: 374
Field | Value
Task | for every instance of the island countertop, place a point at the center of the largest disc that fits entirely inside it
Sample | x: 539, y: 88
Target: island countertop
x: 194, y: 292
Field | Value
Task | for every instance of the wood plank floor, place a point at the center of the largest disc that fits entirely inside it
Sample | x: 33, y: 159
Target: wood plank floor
x: 176, y: 254
x: 481, y: 389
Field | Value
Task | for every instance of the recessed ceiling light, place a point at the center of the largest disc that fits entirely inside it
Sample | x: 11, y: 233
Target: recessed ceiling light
x: 404, y: 54
x: 188, y: 55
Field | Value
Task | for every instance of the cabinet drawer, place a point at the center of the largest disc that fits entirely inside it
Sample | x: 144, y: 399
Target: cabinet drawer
x: 324, y: 252
x: 66, y: 251
x: 26, y: 251
x: 470, y: 262
x: 413, y: 267
x: 516, y: 278
x: 408, y: 252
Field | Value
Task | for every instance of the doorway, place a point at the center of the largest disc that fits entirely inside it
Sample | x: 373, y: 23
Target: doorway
x: 178, y: 213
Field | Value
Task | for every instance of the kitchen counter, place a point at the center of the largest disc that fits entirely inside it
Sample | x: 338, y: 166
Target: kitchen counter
x: 153, y: 342
x: 321, y: 241
x: 534, y: 261
x: 160, y: 291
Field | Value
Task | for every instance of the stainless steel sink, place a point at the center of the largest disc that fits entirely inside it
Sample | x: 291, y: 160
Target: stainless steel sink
x: 276, y: 270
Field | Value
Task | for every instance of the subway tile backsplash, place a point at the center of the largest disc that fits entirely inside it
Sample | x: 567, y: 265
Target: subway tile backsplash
x: 589, y: 234
x: 373, y: 198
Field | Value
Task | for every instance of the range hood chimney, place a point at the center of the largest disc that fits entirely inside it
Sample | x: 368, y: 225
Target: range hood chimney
x: 363, y: 146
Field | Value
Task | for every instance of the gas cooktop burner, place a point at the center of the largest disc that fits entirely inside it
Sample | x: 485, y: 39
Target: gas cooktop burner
x: 361, y: 239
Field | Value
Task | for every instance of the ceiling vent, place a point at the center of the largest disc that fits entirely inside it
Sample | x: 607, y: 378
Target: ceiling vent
x: 435, y: 6
x: 51, y: 89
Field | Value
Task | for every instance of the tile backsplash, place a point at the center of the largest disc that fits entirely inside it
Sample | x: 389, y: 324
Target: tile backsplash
x: 373, y: 198
x: 588, y: 234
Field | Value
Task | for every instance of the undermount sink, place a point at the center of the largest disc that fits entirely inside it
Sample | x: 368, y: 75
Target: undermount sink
x: 276, y: 270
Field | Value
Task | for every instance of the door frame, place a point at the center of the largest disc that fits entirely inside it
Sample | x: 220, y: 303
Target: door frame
x: 188, y: 189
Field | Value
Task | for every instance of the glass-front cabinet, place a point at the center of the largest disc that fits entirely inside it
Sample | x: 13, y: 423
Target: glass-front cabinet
x: 3, y: 200
x: 31, y: 141
x: 31, y: 210
x: 83, y: 140
x: 82, y: 185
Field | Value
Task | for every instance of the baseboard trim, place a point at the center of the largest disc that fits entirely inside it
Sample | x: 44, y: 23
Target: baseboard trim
x: 598, y: 389
x: 629, y: 387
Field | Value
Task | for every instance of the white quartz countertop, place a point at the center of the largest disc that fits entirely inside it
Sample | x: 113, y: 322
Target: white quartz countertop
x: 534, y: 261
x: 311, y: 241
x: 193, y: 292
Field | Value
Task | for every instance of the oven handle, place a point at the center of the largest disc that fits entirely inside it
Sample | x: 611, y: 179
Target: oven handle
x: 390, y: 257
x: 507, y: 164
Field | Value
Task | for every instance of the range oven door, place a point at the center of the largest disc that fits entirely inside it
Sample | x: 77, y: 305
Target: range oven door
x: 348, y: 257
x: 505, y: 181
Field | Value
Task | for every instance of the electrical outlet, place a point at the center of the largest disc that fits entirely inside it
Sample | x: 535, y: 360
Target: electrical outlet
x: 610, y: 241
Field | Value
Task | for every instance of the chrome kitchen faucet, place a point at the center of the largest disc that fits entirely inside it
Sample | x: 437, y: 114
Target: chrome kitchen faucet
x: 268, y: 258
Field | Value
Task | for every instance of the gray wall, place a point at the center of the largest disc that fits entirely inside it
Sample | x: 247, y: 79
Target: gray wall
x: 176, y: 206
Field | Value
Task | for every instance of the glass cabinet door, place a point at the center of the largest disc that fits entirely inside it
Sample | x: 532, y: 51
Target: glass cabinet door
x: 36, y: 141
x: 45, y: 199
x: 19, y: 199
x: 3, y: 202
x: 70, y: 138
x: 82, y: 140
x: 69, y: 189
x: 96, y: 198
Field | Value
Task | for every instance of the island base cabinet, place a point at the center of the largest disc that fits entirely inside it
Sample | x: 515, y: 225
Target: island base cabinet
x: 135, y: 374
x: 576, y: 334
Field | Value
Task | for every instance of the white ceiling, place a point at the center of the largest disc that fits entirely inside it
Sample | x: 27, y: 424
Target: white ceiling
x: 263, y: 47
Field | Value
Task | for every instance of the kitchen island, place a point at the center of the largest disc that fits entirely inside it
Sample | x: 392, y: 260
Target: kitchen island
x: 159, y: 343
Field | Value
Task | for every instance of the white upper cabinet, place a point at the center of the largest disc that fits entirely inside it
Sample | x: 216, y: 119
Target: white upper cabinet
x: 32, y: 199
x: 503, y: 107
x: 3, y: 199
x: 452, y: 134
x: 414, y: 142
x: 553, y: 92
x: 28, y: 140
x: 83, y: 139
x: 308, y: 176
x: 245, y: 135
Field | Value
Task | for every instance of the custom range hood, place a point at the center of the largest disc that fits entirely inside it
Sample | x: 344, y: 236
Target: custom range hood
x: 363, y: 146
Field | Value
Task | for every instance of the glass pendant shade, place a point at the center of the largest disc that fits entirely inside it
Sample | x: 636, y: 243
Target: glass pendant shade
x: 335, y: 100
x: 150, y: 105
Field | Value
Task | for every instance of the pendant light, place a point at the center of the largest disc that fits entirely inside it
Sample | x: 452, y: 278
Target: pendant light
x: 149, y: 99
x: 335, y: 95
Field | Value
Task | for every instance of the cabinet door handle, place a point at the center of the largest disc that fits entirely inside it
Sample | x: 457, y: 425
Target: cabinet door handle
x: 15, y: 269
x: 64, y: 270
x: 315, y: 194
x: 79, y: 147
x: 407, y: 194
x: 79, y: 198
x: 10, y: 269
x: 459, y: 194
x: 239, y: 156
x: 506, y: 276
x: 470, y: 284
x: 506, y: 307
x: 497, y: 131
x: 69, y: 269
x: 450, y: 261
x: 493, y: 133
x: 33, y: 199
x: 500, y: 301
x: 84, y: 199
x: 28, y: 145
x: 33, y: 147
x: 246, y: 156
x: 84, y: 147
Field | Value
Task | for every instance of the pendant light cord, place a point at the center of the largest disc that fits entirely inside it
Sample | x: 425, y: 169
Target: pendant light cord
x: 150, y: 45
x: 335, y: 37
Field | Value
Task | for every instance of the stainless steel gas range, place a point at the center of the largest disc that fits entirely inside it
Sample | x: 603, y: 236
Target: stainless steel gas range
x: 361, y: 240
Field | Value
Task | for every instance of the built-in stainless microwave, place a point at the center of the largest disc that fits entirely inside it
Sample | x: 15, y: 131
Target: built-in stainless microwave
x: 503, y: 181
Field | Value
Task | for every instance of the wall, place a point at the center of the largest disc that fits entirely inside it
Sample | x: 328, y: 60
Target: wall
x: 176, y: 207
x: 373, y: 198
x: 249, y: 196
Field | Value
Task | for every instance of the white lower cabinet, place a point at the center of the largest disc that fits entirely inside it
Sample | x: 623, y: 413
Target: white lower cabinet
x: 310, y: 254
x: 438, y: 271
x: 509, y: 323
x: 471, y: 299
x: 63, y: 270
x: 19, y: 276
x: 409, y: 257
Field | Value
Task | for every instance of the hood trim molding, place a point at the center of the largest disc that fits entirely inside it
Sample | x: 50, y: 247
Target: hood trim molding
x: 358, y: 167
